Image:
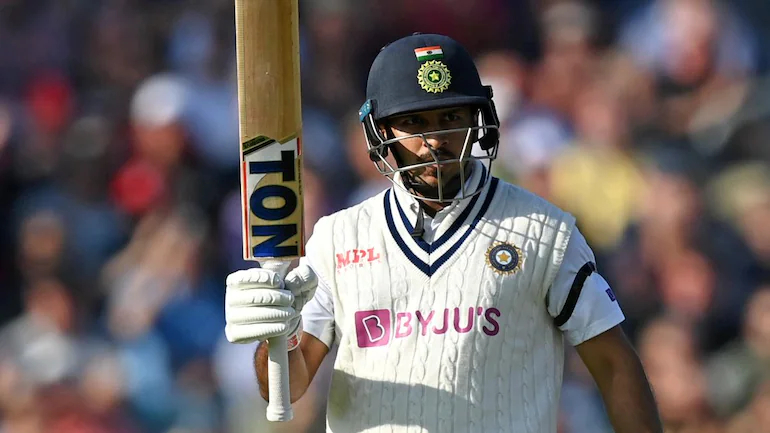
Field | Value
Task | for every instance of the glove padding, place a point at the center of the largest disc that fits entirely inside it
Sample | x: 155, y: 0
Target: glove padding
x: 259, y: 305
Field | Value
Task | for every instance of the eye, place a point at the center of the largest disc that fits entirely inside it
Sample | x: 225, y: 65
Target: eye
x: 411, y: 121
x: 454, y: 117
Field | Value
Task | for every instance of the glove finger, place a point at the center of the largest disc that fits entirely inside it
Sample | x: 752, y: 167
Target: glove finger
x: 249, y: 315
x: 255, y: 278
x: 301, y: 279
x: 261, y: 297
x: 255, y: 332
x: 253, y: 286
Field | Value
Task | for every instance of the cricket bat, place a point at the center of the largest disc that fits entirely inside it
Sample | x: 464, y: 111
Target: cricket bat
x: 270, y: 124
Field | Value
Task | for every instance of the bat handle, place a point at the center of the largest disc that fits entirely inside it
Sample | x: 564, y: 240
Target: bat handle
x: 279, y: 404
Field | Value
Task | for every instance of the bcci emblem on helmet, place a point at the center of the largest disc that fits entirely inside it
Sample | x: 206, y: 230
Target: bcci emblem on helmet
x: 505, y: 258
x: 434, y: 76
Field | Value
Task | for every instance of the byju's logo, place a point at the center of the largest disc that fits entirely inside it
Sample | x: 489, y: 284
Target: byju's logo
x: 378, y: 327
x: 373, y: 328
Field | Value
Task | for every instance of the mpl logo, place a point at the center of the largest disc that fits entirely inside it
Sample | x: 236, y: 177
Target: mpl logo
x: 356, y: 257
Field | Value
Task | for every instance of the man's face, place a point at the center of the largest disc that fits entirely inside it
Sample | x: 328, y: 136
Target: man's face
x: 447, y: 146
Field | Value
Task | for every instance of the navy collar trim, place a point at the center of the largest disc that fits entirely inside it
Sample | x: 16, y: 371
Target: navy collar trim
x: 429, y: 268
x: 430, y: 247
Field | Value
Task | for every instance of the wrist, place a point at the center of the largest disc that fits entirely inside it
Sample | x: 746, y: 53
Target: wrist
x: 293, y: 339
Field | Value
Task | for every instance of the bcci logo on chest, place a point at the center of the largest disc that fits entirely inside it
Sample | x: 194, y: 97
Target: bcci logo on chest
x: 505, y: 258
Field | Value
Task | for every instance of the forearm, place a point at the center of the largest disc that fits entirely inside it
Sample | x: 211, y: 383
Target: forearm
x: 298, y: 372
x: 628, y: 399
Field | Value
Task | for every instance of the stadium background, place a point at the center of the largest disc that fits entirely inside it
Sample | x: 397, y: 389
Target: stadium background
x: 119, y: 212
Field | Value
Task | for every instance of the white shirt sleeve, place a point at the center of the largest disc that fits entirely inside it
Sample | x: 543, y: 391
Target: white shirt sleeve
x: 318, y: 313
x: 581, y: 302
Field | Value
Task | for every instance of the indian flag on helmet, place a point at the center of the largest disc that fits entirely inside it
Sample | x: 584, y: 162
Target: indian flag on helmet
x: 429, y: 53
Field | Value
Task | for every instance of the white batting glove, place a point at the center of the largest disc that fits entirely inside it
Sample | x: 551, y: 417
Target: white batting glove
x: 259, y: 305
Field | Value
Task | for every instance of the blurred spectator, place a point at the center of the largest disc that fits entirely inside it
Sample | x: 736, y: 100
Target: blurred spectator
x: 41, y: 342
x: 740, y: 137
x: 597, y: 179
x: 48, y: 105
x: 159, y: 280
x: 197, y: 406
x: 741, y: 195
x: 18, y: 401
x: 36, y: 36
x: 506, y: 72
x: 162, y: 310
x: 755, y: 418
x: 677, y: 39
x: 101, y: 387
x: 528, y: 146
x: 668, y: 350
x: 687, y: 286
x: 570, y: 48
x: 41, y: 246
x: 525, y: 146
x: 328, y: 68
x: 661, y: 261
x: 540, y: 128
x: 159, y: 174
x: 117, y: 56
x: 737, y: 372
x: 201, y: 50
x: 95, y: 228
x: 91, y: 228
x: 156, y: 110
x: 581, y: 403
x: 695, y: 49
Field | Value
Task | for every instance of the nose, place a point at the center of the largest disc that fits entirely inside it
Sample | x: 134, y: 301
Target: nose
x: 435, y: 141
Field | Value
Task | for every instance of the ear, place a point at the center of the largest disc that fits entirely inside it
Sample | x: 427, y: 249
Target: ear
x: 386, y: 129
x: 383, y: 128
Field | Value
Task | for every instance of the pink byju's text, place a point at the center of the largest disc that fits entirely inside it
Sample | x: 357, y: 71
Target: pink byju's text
x: 378, y: 327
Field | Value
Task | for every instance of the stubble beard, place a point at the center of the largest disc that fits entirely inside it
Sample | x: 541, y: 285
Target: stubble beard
x: 450, y: 188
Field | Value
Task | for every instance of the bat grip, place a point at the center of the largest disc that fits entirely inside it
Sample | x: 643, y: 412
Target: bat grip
x: 279, y: 404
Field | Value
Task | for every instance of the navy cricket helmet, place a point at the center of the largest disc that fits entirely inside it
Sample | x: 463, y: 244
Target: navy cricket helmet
x: 424, y: 72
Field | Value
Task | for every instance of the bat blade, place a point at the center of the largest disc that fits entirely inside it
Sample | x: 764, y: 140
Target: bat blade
x: 270, y: 125
x: 272, y: 198
x: 269, y: 102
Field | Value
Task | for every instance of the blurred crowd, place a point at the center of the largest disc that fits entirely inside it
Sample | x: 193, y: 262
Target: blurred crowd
x: 120, y: 211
